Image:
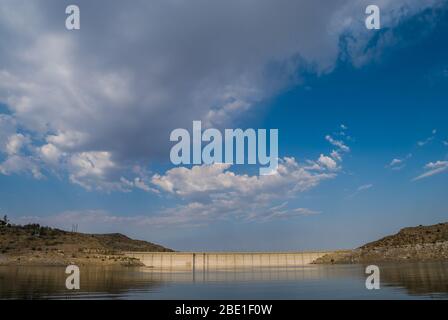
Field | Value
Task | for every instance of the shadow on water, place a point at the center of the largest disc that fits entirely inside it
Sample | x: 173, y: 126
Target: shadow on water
x: 398, y: 281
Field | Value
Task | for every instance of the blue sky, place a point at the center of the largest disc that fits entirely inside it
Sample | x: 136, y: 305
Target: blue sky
x: 88, y: 145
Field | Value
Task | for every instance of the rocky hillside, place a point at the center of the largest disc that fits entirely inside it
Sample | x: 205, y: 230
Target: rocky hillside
x: 422, y: 243
x: 33, y: 244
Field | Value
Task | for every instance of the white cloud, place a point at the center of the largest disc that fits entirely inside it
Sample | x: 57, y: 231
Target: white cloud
x: 208, y: 179
x: 7, y: 129
x: 327, y: 162
x: 67, y: 140
x: 141, y: 184
x: 336, y: 155
x: 365, y: 187
x: 50, y: 154
x: 395, y: 162
x: 398, y: 163
x: 424, y: 142
x: 214, y: 192
x: 337, y: 143
x: 97, y: 170
x: 360, y: 189
x: 20, y: 164
x: 15, y: 143
x: 433, y: 168
x: 89, y: 169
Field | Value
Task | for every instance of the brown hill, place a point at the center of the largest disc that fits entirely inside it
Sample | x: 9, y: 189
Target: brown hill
x: 412, y: 236
x: 33, y: 244
x: 422, y: 243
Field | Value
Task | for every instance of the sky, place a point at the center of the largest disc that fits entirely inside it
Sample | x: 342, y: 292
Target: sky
x: 86, y: 115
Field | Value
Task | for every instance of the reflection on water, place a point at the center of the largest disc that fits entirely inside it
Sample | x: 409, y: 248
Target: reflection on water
x: 48, y: 282
x: 418, y: 278
x: 398, y: 281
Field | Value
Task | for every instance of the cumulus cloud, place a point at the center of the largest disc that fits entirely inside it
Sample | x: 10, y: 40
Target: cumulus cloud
x: 214, y: 192
x: 97, y: 170
x: 206, y: 194
x: 103, y: 99
x: 433, y: 168
x: 92, y: 168
x: 208, y: 179
x: 15, y: 147
x: 15, y: 143
x: 20, y: 164
x: 50, y: 154
x: 328, y: 162
x: 7, y: 129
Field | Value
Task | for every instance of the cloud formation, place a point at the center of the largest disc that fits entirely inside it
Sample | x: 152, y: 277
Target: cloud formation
x: 202, y: 194
x: 213, y: 192
x: 95, y: 103
x: 433, y: 168
x: 360, y: 189
x: 426, y: 141
x: 398, y: 163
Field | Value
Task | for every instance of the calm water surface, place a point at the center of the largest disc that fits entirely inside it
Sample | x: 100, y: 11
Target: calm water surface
x: 398, y: 281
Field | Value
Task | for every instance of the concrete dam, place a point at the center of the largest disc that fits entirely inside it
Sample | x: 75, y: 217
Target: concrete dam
x: 216, y: 260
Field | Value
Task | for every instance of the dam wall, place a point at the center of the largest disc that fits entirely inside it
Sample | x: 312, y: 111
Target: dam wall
x: 215, y: 260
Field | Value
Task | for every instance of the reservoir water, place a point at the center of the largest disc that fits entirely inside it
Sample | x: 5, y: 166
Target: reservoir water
x: 398, y: 281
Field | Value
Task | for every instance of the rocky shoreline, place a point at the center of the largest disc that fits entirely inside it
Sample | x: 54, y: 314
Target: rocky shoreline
x: 422, y: 243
